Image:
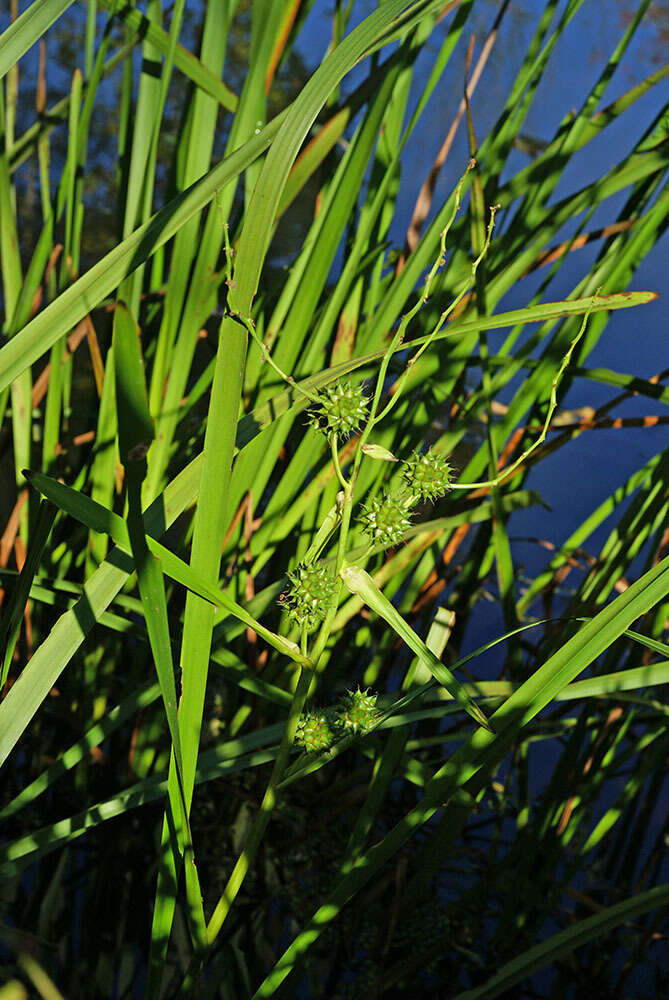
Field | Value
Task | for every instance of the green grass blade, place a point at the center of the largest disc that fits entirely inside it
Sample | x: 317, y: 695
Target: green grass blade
x: 71, y: 629
x: 184, y: 60
x: 88, y: 291
x: 15, y: 607
x: 135, y: 433
x: 27, y: 29
x: 566, y: 941
x: 101, y: 520
x: 359, y: 582
x: 483, y: 749
x: 230, y: 757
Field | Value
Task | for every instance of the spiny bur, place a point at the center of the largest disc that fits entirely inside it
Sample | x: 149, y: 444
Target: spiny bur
x: 428, y: 476
x: 357, y: 711
x: 309, y: 595
x: 316, y: 731
x: 385, y: 520
x: 340, y: 409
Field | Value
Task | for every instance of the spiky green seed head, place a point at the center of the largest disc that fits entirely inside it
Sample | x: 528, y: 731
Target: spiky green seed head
x: 428, y: 476
x: 316, y: 731
x: 385, y: 520
x: 309, y: 595
x: 340, y: 410
x: 357, y: 711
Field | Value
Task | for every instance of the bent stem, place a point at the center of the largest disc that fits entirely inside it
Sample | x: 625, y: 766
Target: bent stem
x: 249, y: 325
x: 407, y: 317
x: 549, y: 416
x: 399, y: 385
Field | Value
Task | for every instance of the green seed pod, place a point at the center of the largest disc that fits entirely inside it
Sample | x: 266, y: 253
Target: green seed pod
x: 340, y: 410
x: 316, y: 731
x: 309, y: 595
x: 428, y: 476
x: 385, y: 520
x: 379, y: 453
x: 357, y: 712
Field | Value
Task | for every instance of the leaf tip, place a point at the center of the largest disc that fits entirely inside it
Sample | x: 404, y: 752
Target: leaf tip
x: 482, y: 719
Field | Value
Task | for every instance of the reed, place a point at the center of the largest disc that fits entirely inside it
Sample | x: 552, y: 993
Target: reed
x: 260, y: 506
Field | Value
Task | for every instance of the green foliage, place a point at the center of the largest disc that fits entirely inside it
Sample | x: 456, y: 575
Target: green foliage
x: 206, y: 563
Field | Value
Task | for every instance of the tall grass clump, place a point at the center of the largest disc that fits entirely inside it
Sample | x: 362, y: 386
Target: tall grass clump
x: 268, y: 643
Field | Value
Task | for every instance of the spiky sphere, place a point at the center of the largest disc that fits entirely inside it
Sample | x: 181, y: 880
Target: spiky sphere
x: 385, y: 520
x: 316, y: 731
x: 357, y: 711
x: 309, y: 595
x: 341, y: 408
x: 428, y: 476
